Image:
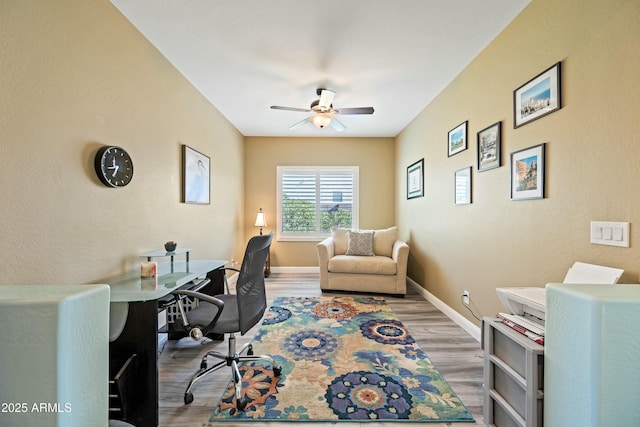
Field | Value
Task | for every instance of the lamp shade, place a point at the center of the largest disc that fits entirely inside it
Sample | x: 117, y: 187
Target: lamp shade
x: 261, y: 221
x: 321, y: 119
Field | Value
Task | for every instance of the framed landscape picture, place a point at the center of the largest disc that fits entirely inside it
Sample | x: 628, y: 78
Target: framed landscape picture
x: 527, y: 173
x: 462, y: 185
x: 538, y: 97
x: 489, y: 146
x: 195, y: 176
x: 457, y: 139
x: 415, y: 180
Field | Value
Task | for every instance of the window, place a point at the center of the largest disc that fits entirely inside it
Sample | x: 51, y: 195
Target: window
x: 313, y: 200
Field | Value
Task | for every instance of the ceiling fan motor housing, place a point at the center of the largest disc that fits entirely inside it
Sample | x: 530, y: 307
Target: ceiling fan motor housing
x: 315, y: 106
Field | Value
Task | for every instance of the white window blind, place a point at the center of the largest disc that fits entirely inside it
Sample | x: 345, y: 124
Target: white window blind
x: 312, y: 200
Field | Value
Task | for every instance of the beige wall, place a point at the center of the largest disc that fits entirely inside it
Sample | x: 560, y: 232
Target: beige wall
x: 76, y: 75
x: 374, y: 156
x: 593, y: 157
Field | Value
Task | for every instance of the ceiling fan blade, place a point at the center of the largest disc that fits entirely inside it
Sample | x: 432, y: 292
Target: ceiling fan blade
x: 337, y: 125
x: 278, y: 107
x: 355, y: 110
x: 326, y: 98
x: 300, y: 123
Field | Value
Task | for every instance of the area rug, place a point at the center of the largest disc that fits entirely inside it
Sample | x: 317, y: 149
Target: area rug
x: 343, y: 359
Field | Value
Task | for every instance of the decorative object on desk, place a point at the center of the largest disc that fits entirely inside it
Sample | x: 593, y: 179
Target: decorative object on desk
x: 415, y: 180
x: 457, y: 139
x: 170, y: 246
x: 343, y: 359
x: 462, y: 186
x: 149, y: 269
x: 538, y: 97
x: 261, y: 221
x: 527, y: 173
x: 489, y: 147
x: 195, y: 177
x: 113, y: 166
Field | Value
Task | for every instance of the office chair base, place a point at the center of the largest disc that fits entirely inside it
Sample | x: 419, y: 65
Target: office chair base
x: 232, y: 359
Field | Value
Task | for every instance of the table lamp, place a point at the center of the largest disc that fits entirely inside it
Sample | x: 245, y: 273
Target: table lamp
x: 261, y: 221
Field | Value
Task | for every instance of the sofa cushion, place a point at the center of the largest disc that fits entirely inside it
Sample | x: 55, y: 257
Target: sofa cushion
x: 360, y: 243
x: 340, y: 238
x: 362, y: 265
x: 383, y: 241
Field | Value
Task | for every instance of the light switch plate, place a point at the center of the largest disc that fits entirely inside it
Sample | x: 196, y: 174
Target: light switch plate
x: 610, y: 233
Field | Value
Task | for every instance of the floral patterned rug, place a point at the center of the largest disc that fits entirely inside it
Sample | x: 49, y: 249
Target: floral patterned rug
x: 343, y: 359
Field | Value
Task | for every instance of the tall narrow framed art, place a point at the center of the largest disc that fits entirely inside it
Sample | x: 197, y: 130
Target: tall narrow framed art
x: 489, y: 146
x: 196, y: 170
x: 415, y: 180
x: 527, y: 173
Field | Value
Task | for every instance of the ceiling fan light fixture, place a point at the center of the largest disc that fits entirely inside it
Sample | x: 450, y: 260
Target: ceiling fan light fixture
x: 321, y: 120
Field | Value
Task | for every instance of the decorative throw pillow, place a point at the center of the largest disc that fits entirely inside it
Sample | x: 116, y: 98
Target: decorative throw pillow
x: 383, y: 241
x: 360, y: 243
x: 340, y: 240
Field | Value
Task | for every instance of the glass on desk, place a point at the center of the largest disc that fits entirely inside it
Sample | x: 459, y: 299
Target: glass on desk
x: 162, y: 254
x: 129, y: 287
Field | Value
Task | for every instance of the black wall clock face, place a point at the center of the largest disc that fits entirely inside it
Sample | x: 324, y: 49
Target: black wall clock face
x: 114, y: 166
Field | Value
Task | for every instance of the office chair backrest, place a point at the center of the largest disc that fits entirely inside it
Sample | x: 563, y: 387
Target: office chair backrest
x: 252, y: 299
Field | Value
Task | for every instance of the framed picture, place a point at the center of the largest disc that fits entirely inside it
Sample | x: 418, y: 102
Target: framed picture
x: 538, y: 97
x: 415, y: 180
x: 196, y: 169
x: 527, y: 173
x: 489, y: 145
x: 462, y: 186
x: 457, y: 140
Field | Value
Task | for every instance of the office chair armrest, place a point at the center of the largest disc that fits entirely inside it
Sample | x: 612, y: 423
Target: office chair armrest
x: 204, y: 297
x: 226, y: 284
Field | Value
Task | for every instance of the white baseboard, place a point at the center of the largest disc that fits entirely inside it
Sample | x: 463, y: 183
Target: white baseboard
x: 459, y: 319
x: 310, y: 269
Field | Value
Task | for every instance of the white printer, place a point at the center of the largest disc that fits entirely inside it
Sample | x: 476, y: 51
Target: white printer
x: 526, y: 305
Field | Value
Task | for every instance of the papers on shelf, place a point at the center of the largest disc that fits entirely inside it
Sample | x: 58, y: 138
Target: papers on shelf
x: 523, y: 326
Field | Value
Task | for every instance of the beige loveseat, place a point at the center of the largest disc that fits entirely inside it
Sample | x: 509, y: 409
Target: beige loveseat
x: 348, y: 263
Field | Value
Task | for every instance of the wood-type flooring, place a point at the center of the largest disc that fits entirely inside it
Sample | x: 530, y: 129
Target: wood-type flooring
x: 453, y: 352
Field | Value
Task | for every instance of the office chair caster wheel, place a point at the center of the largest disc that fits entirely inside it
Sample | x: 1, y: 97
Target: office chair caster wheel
x: 188, y: 398
x: 277, y: 370
x: 250, y: 351
x: 242, y: 403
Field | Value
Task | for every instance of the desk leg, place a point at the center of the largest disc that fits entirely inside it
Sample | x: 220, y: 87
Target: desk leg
x: 140, y: 336
x: 267, y: 265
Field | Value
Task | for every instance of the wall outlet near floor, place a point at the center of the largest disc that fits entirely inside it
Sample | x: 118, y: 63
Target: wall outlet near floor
x: 465, y: 297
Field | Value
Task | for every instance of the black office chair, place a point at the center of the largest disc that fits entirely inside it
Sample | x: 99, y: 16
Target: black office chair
x: 229, y: 314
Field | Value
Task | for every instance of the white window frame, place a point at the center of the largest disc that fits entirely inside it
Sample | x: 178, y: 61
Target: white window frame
x: 318, y: 170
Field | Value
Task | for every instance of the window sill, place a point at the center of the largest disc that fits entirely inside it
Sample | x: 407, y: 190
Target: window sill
x: 314, y: 238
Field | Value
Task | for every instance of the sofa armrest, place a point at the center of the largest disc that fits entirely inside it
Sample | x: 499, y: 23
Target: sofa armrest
x: 400, y: 254
x: 325, y: 253
x: 400, y: 251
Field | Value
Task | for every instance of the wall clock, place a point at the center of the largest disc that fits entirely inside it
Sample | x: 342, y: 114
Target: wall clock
x: 114, y: 166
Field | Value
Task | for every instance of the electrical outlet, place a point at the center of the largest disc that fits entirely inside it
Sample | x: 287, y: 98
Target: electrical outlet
x: 465, y: 297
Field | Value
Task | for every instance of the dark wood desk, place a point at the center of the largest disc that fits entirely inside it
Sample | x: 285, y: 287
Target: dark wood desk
x: 138, y: 381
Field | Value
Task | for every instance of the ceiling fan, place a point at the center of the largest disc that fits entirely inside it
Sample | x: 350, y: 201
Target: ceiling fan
x: 322, y: 111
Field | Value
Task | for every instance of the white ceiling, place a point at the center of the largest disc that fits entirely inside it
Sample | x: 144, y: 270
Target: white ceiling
x: 246, y: 55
